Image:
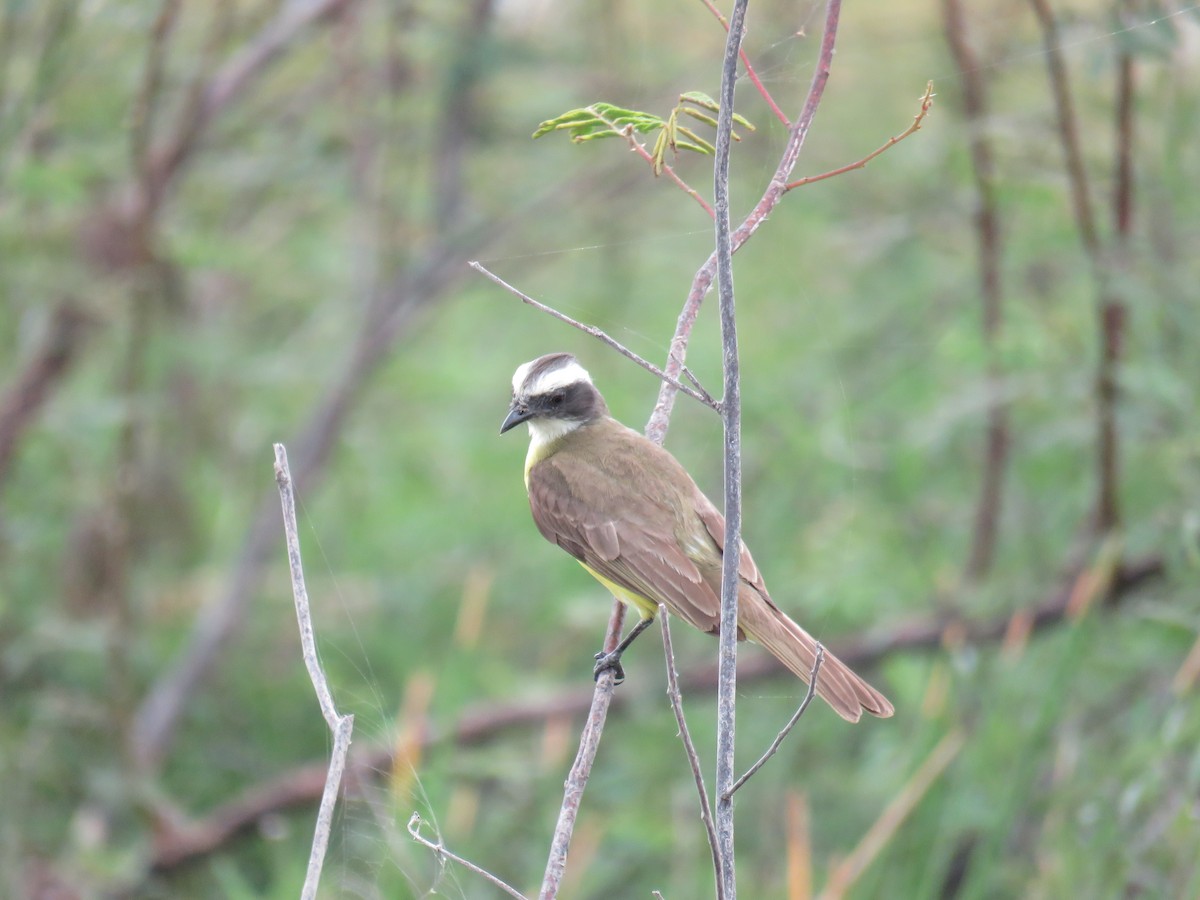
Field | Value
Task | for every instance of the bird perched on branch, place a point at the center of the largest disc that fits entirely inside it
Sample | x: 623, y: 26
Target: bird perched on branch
x: 632, y: 516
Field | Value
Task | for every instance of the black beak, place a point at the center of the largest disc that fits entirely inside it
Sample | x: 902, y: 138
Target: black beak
x: 517, y: 413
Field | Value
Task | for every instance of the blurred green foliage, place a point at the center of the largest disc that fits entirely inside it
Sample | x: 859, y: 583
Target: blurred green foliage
x: 344, y: 166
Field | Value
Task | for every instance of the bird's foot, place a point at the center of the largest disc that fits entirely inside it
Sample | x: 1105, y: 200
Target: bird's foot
x: 609, y: 662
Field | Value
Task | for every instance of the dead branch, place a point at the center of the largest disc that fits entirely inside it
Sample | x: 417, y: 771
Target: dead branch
x: 1110, y: 309
x: 988, y: 252
x: 442, y: 854
x: 731, y: 417
x: 34, y: 384
x: 581, y: 769
x: 689, y: 746
x: 697, y: 393
x: 391, y: 309
x: 340, y: 726
x: 814, y: 674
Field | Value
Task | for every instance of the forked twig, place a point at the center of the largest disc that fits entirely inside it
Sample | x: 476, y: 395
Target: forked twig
x: 656, y: 430
x: 779, y: 738
x: 340, y: 725
x: 696, y: 393
x: 918, y: 120
x: 439, y: 850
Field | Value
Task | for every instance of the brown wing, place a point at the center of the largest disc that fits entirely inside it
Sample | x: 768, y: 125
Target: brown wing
x: 714, y: 523
x: 598, y: 506
x: 661, y: 539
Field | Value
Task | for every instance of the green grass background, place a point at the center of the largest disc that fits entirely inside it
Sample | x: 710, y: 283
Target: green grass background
x: 863, y: 386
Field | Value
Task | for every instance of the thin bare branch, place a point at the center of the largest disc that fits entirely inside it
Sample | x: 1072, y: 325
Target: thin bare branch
x: 234, y: 78
x: 986, y: 528
x: 814, y: 674
x: 698, y: 393
x: 731, y: 415
x: 145, y: 106
x: 656, y: 430
x: 34, y: 384
x: 340, y: 725
x: 1111, y: 311
x: 1068, y: 129
x: 439, y: 849
x: 918, y: 121
x: 394, y: 308
x: 750, y: 73
x: 581, y: 769
x: 676, y: 697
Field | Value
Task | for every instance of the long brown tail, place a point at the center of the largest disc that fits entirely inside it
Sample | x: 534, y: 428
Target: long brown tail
x: 837, y: 684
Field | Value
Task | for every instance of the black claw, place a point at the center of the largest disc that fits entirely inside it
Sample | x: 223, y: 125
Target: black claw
x: 608, y: 662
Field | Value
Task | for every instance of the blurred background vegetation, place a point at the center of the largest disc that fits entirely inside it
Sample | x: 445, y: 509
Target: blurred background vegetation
x: 224, y: 224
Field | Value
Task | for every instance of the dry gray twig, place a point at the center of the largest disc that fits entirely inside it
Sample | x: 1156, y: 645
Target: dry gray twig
x: 439, y: 849
x: 698, y: 393
x: 581, y: 769
x: 786, y: 730
x: 676, y: 697
x: 731, y: 414
x: 341, y: 726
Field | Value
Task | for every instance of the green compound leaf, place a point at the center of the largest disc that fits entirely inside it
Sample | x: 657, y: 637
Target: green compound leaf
x: 701, y: 99
x: 599, y: 120
x: 607, y: 120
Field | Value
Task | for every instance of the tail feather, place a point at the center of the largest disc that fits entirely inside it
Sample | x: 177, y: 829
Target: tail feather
x: 837, y: 684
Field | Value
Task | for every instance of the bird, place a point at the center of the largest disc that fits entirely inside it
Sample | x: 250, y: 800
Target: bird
x: 630, y: 513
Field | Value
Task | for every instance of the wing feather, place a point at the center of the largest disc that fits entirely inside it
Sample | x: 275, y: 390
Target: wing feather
x: 624, y: 531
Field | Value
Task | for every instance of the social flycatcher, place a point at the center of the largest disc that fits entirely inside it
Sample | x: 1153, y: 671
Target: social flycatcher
x: 630, y: 513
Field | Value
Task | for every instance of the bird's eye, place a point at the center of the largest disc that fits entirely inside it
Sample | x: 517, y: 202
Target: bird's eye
x: 558, y: 398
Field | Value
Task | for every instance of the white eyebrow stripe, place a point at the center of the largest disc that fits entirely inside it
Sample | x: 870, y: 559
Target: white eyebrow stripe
x: 571, y: 373
x: 521, y: 374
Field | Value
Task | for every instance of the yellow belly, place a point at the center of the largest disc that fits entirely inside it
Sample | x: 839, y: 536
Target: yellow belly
x: 646, y: 608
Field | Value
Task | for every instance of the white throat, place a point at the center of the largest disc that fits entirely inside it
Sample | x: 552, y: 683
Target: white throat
x: 542, y: 434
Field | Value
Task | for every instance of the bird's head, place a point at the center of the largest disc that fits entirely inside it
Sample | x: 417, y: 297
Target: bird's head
x: 555, y: 395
